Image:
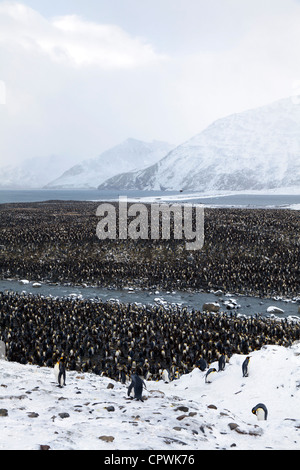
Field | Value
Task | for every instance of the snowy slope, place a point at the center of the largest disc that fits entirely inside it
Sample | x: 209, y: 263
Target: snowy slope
x: 256, y: 149
x: 129, y: 155
x: 186, y: 414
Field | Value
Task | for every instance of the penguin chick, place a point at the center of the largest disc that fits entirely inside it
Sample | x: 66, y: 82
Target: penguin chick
x: 208, y: 375
x: 261, y: 412
x: 245, y: 367
x: 137, y: 385
x: 60, y: 372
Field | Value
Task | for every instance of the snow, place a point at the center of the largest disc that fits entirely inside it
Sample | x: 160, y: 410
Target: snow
x: 252, y: 150
x: 131, y: 154
x: 185, y: 414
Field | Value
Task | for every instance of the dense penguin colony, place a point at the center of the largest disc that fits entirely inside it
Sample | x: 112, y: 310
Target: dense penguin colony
x: 253, y: 252
x: 116, y: 340
x: 246, y: 251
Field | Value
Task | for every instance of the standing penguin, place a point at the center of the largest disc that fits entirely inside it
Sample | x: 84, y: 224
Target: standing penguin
x: 137, y: 385
x: 245, y: 367
x: 60, y: 372
x: 208, y: 375
x: 261, y: 412
x: 222, y: 362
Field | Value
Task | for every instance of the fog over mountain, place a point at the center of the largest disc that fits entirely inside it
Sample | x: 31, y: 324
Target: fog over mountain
x: 129, y: 155
x: 55, y: 172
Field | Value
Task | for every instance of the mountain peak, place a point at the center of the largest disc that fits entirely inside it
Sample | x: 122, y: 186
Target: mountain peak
x: 255, y: 149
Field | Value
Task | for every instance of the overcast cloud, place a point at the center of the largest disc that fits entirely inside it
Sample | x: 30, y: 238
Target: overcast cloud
x: 77, y: 77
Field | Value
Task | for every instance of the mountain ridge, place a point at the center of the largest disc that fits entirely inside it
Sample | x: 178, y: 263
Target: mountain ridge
x: 255, y: 149
x: 130, y: 154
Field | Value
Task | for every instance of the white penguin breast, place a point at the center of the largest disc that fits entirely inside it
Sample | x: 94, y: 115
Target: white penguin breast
x: 56, y: 370
x: 260, y: 414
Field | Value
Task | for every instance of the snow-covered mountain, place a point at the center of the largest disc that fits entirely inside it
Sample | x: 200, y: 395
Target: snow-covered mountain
x: 32, y: 173
x: 253, y: 150
x: 94, y: 412
x: 129, y: 155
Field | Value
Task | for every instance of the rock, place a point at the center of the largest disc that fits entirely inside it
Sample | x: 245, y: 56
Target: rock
x: 64, y: 415
x: 211, y: 307
x: 232, y: 426
x: 212, y: 407
x: 273, y: 309
x: 110, y: 408
x: 179, y: 418
x: 32, y: 414
x: 3, y: 412
x: 107, y: 438
x: 44, y: 447
x: 184, y: 409
x: 218, y: 292
x: 252, y: 431
x: 110, y: 385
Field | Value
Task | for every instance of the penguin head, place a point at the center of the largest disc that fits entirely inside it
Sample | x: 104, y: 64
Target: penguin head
x: 261, y: 412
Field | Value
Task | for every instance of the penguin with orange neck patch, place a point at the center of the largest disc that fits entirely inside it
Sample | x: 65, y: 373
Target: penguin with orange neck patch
x: 60, y: 372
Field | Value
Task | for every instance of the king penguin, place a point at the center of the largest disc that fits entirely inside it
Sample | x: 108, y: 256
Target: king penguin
x: 208, y: 375
x: 165, y: 376
x: 60, y: 372
x: 202, y: 364
x: 222, y: 362
x: 137, y: 385
x: 245, y: 367
x: 261, y: 412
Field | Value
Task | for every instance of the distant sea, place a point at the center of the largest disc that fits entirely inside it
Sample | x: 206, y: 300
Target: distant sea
x: 229, y: 200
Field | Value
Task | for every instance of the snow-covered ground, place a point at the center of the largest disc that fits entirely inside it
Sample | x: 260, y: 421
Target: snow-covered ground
x: 94, y: 412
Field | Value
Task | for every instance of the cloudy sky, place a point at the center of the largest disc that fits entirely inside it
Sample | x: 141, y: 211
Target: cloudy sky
x: 80, y: 76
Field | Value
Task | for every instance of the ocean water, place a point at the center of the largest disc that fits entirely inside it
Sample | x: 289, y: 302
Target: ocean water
x: 231, y: 200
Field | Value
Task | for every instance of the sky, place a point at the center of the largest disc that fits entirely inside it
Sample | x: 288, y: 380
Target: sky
x: 80, y: 76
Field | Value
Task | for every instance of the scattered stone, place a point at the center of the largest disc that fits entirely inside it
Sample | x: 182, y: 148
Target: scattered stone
x: 32, y: 414
x: 211, y: 307
x: 273, y: 309
x: 212, y: 407
x: 64, y: 415
x: 170, y: 440
x: 107, y: 438
x: 44, y: 447
x: 185, y: 409
x: 110, y: 385
x: 3, y: 412
x: 181, y: 417
x: 232, y: 426
x: 252, y: 431
x: 110, y: 408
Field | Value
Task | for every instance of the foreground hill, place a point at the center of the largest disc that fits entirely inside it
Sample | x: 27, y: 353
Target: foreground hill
x: 94, y: 412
